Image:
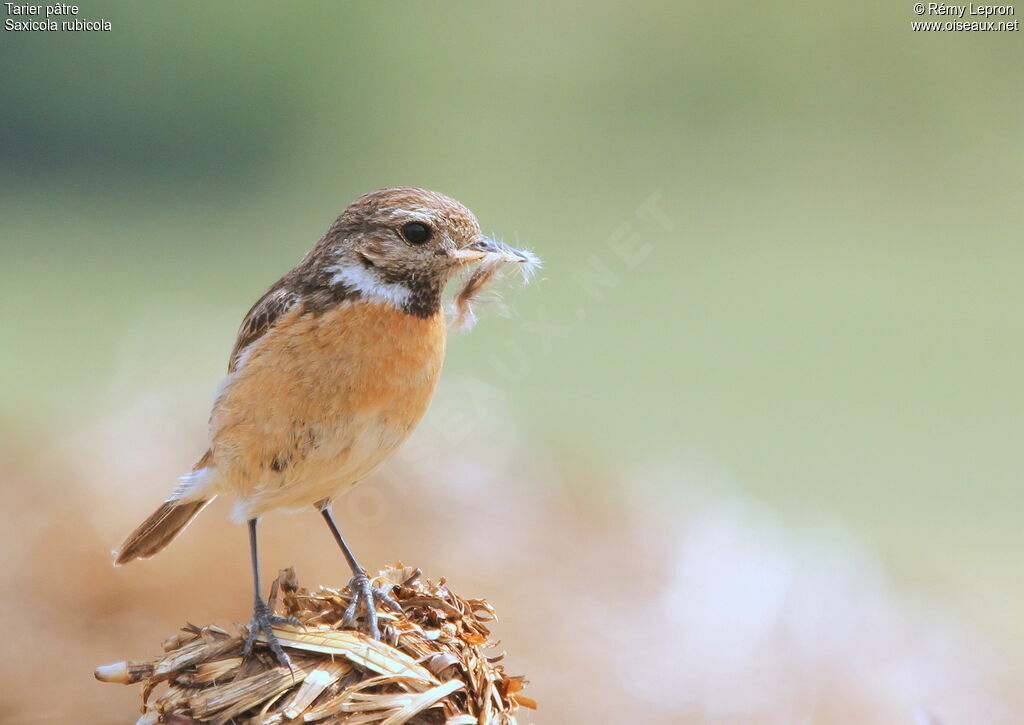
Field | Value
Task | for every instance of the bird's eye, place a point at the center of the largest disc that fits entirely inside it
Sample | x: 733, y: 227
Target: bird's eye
x: 416, y: 233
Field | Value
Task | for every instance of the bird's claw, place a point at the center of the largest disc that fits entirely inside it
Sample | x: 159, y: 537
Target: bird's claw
x: 263, y: 621
x: 367, y: 596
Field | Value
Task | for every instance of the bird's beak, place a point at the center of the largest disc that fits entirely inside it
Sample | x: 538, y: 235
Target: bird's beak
x: 488, y: 248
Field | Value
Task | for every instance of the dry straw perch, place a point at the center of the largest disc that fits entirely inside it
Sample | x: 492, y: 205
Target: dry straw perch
x: 434, y: 664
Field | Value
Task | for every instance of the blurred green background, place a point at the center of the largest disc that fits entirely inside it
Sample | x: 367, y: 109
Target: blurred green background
x: 825, y: 308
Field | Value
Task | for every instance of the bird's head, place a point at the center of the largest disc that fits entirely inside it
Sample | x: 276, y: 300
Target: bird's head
x: 403, y: 244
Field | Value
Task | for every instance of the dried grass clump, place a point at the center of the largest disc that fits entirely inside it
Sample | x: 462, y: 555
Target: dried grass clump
x: 430, y: 666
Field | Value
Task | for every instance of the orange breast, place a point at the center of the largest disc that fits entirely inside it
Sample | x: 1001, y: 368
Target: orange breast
x: 319, y: 401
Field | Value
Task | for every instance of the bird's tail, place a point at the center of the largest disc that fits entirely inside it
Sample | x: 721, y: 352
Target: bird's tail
x: 159, y: 529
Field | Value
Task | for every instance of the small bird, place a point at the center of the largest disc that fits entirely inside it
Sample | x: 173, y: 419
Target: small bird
x: 332, y: 369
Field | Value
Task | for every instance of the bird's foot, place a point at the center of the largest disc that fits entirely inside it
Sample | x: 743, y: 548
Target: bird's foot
x: 366, y: 596
x: 263, y: 621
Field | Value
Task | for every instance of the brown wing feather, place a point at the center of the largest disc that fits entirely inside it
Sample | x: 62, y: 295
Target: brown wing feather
x: 261, y: 317
x: 309, y: 284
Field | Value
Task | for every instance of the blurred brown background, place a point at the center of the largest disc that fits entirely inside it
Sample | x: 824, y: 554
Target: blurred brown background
x: 749, y: 452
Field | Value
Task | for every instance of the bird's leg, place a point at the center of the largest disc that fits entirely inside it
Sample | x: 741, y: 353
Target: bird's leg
x: 363, y: 594
x: 262, y: 620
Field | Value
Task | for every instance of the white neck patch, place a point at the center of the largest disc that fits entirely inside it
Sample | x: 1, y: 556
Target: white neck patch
x: 368, y: 283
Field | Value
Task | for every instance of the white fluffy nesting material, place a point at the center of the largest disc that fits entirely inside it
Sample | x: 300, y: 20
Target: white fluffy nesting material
x: 483, y: 275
